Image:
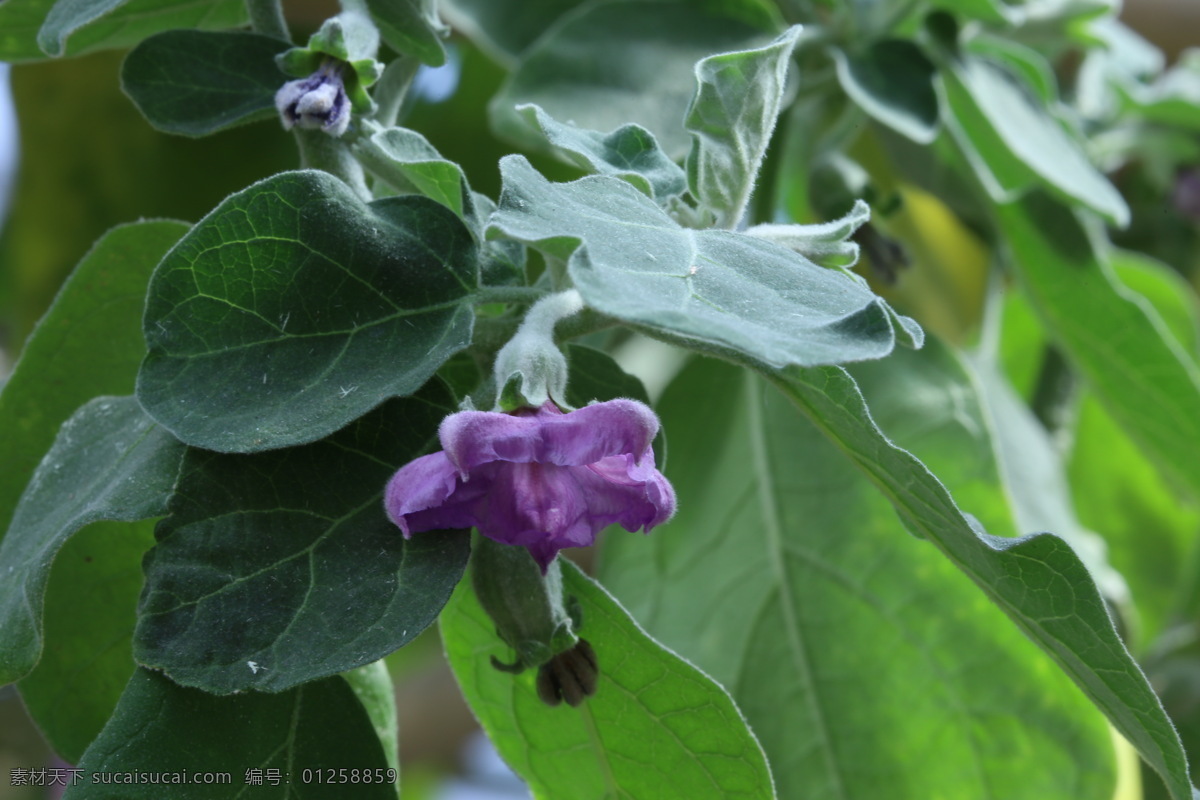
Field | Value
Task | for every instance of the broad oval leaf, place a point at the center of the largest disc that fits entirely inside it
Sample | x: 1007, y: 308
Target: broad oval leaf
x: 198, y: 82
x: 245, y: 742
x: 892, y: 80
x: 617, y: 62
x: 294, y: 308
x: 709, y: 290
x: 278, y: 568
x: 861, y: 657
x: 109, y: 462
x: 656, y: 727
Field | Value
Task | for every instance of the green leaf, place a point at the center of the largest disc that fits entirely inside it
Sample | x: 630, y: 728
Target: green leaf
x: 596, y: 376
x: 630, y: 152
x: 619, y: 62
x: 372, y: 685
x: 294, y: 308
x: 1012, y: 139
x: 1173, y: 99
x: 710, y: 290
x: 731, y: 119
x: 1037, y: 580
x: 278, y: 568
x: 1031, y: 66
x: 506, y: 27
x: 61, y: 367
x: 892, y: 80
x: 411, y: 27
x: 196, y: 82
x: 1150, y: 531
x: 160, y: 727
x: 1149, y: 385
x: 83, y: 26
x: 827, y: 244
x: 656, y: 727
x: 861, y: 657
x: 409, y: 163
x: 86, y: 660
x: 109, y: 462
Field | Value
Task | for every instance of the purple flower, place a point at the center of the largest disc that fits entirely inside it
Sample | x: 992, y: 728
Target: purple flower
x: 538, y: 478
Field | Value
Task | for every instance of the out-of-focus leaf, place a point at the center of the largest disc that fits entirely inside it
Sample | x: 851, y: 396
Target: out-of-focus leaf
x: 1037, y: 580
x: 861, y: 656
x: 86, y: 660
x: 411, y: 27
x: 61, y: 367
x: 1012, y: 140
x: 109, y: 462
x: 278, y: 568
x: 198, y: 82
x: 1149, y: 385
x: 160, y: 727
x: 892, y: 80
x: 656, y: 726
x: 86, y: 25
x: 620, y: 62
x: 294, y: 308
x: 731, y: 118
x: 711, y: 290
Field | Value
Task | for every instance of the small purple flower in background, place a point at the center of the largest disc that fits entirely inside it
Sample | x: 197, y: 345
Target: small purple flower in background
x: 538, y: 478
x: 1186, y: 193
x: 318, y: 101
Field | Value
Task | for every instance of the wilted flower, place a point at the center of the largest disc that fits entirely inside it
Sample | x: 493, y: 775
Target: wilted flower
x: 318, y: 101
x: 538, y: 478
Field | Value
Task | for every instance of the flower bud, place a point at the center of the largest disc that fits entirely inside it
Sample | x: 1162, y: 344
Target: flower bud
x: 530, y: 369
x: 318, y: 101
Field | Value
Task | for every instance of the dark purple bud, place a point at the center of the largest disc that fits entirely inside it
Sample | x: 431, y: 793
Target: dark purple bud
x: 540, y: 478
x: 569, y: 676
x: 318, y: 101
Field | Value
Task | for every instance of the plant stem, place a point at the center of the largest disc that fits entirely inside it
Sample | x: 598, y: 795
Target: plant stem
x: 319, y: 150
x: 266, y: 17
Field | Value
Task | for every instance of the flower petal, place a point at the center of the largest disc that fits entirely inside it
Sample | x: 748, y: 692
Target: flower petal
x: 472, y: 438
x: 421, y: 484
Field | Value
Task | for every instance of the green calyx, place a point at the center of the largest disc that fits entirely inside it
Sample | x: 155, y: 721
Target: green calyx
x: 531, y: 612
x: 348, y: 41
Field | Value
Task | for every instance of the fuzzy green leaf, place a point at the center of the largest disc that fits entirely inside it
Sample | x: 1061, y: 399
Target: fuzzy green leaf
x: 109, y: 462
x: 196, y: 82
x: 710, y: 290
x: 731, y: 118
x: 294, y: 308
x: 656, y: 727
x: 278, y: 568
x: 260, y: 745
